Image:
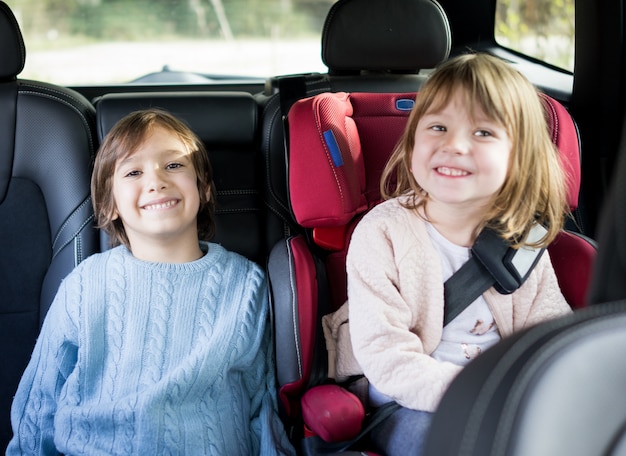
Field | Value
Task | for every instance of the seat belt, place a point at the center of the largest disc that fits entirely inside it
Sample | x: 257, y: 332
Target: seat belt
x: 492, y: 263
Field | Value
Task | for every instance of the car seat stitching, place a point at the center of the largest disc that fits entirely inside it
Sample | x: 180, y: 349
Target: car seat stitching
x: 62, y: 229
x: 294, y: 303
x: 81, y: 115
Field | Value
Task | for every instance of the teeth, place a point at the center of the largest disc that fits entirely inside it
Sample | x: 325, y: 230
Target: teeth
x: 451, y: 171
x: 151, y: 207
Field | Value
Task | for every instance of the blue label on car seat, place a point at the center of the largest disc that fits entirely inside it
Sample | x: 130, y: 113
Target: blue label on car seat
x: 404, y: 104
x: 333, y: 148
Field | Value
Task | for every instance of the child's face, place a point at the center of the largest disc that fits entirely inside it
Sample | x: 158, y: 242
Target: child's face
x: 459, y: 160
x: 155, y: 190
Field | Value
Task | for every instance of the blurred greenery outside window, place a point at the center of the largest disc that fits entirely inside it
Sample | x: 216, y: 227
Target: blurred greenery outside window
x: 87, y: 42
x: 543, y: 29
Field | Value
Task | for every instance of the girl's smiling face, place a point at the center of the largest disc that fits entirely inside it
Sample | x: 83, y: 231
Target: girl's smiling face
x: 460, y: 157
x: 156, y: 192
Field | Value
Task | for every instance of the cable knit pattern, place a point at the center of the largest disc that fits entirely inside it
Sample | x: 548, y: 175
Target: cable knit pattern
x: 395, y: 307
x: 115, y: 326
x: 150, y: 358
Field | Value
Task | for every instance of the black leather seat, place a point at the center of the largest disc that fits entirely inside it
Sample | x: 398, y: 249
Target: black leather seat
x: 47, y: 142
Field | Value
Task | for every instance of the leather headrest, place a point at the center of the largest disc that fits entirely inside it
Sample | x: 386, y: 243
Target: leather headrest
x: 217, y: 118
x: 12, y: 50
x: 402, y: 36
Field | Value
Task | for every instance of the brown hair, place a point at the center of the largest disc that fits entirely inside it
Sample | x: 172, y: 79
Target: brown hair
x: 534, y: 189
x: 124, y: 138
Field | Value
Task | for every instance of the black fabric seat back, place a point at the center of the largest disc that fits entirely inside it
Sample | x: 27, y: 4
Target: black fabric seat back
x: 227, y: 123
x: 47, y: 143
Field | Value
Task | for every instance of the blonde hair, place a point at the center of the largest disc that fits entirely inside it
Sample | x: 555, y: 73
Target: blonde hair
x: 124, y: 138
x: 534, y: 188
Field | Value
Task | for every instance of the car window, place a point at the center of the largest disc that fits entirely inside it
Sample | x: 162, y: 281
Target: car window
x: 91, y: 42
x: 543, y: 29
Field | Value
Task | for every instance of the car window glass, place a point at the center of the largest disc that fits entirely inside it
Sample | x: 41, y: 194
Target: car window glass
x: 88, y: 42
x: 543, y: 29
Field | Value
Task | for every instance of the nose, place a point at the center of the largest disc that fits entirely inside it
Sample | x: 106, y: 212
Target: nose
x: 455, y: 143
x: 157, y: 179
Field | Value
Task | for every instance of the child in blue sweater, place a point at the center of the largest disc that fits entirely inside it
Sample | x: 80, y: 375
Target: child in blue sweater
x: 160, y: 345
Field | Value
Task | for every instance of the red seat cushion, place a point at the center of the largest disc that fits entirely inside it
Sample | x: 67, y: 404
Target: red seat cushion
x: 333, y: 413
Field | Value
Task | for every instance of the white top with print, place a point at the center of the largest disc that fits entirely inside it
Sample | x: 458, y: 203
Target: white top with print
x: 473, y: 330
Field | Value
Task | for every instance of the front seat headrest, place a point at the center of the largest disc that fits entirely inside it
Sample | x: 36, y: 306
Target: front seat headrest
x: 399, y: 36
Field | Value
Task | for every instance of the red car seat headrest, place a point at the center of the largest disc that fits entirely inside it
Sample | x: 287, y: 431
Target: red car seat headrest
x: 339, y: 144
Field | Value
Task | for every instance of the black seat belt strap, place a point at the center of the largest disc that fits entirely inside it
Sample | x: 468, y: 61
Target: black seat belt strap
x: 464, y: 287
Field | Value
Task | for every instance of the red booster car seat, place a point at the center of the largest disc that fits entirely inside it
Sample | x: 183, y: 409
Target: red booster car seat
x: 338, y: 146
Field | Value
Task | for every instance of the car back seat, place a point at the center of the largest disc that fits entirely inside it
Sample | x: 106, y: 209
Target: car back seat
x: 382, y: 46
x: 47, y: 143
x: 339, y: 143
x: 227, y: 123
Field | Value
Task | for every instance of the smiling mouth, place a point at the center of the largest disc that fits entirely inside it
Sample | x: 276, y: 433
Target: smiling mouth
x: 159, y: 206
x: 454, y: 172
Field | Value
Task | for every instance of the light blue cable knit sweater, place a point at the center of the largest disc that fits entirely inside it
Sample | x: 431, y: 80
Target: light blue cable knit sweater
x: 148, y: 358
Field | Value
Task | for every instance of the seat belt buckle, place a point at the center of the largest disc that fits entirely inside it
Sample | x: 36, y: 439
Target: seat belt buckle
x: 509, y: 267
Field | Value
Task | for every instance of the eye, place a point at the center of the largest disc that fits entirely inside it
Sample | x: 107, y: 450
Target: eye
x: 174, y: 165
x: 438, y: 128
x: 483, y: 133
x: 133, y: 173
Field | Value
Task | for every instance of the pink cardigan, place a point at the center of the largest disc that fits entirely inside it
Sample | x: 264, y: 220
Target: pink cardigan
x: 395, y: 308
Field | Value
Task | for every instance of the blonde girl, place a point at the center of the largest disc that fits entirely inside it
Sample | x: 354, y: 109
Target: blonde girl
x: 475, y: 154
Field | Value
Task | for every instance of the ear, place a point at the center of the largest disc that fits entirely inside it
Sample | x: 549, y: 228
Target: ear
x: 208, y: 193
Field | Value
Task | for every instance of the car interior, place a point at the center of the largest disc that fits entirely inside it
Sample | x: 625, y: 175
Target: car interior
x: 297, y: 163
